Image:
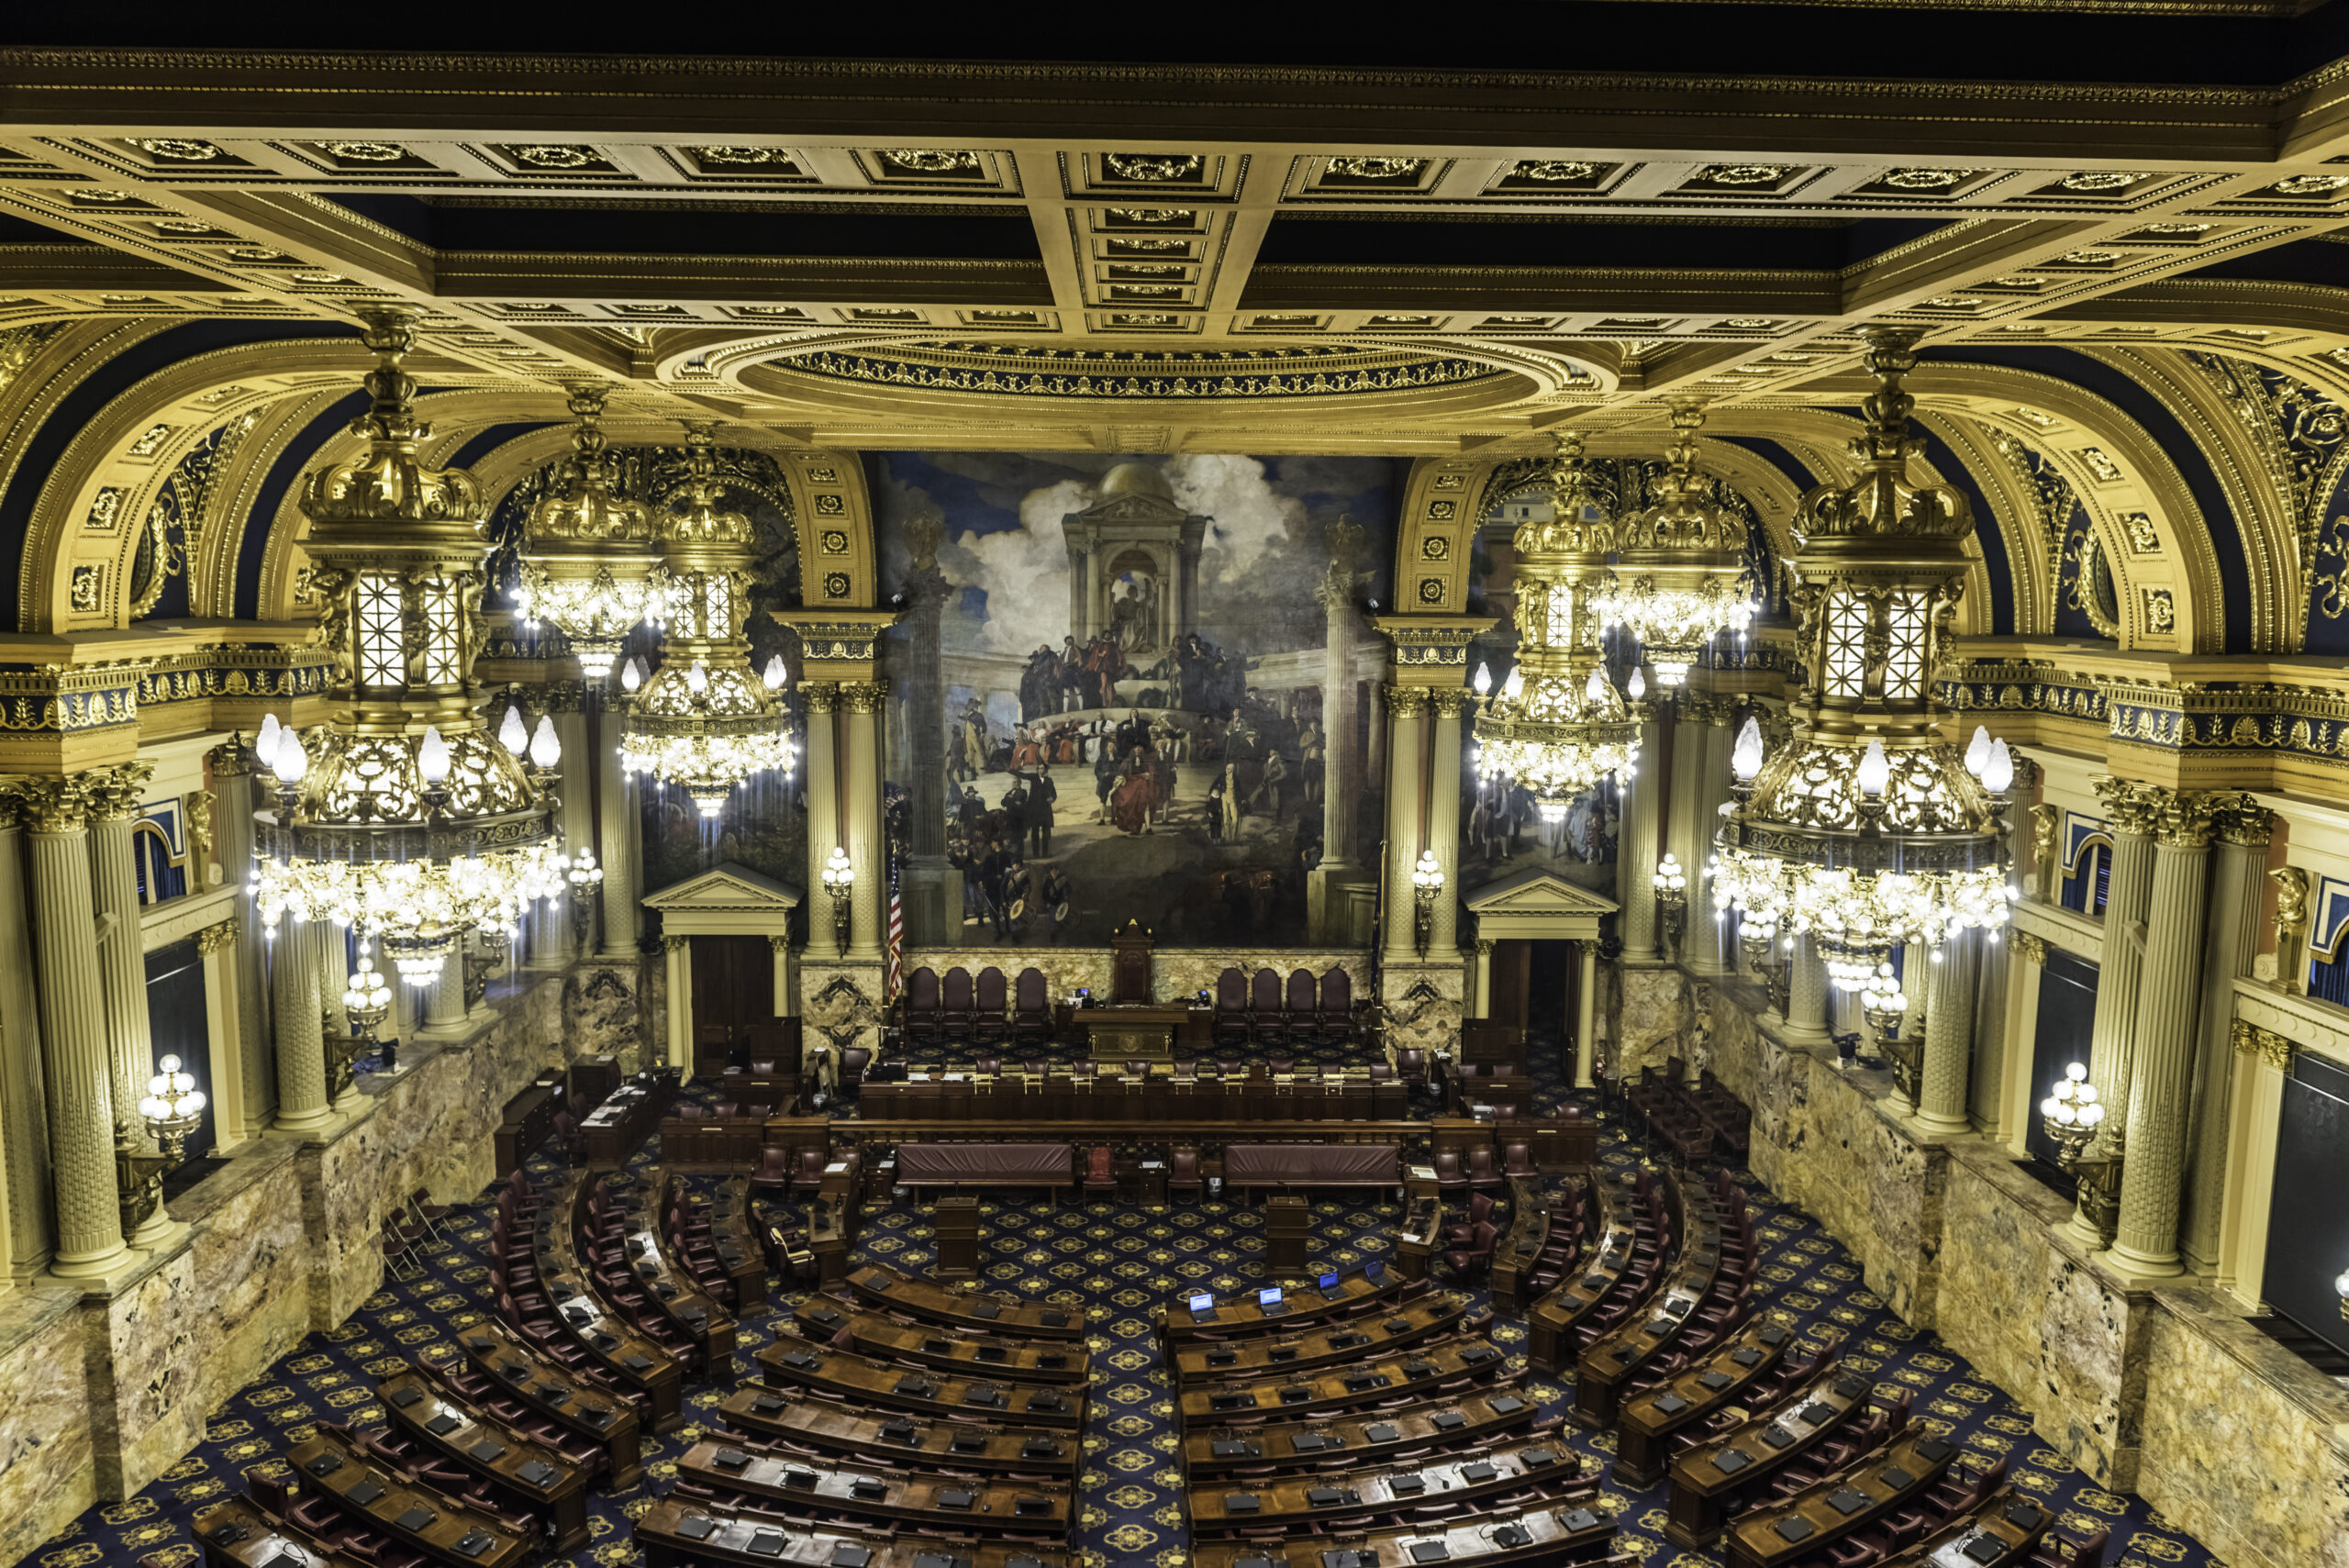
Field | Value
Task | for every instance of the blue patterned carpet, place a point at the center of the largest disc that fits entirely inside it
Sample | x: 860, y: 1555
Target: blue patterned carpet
x: 1121, y: 1262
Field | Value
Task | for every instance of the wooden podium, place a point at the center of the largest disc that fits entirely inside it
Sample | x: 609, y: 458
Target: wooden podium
x: 957, y: 1230
x: 1130, y: 983
x: 1287, y: 1223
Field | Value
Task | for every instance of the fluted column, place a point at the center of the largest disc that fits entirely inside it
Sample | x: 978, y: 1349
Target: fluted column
x: 824, y: 827
x: 567, y: 705
x: 232, y: 830
x: 444, y: 1000
x: 1443, y: 812
x: 1949, y: 1035
x: 617, y: 824
x: 1585, y: 1011
x: 1340, y: 778
x: 1481, y: 1005
x: 1692, y: 718
x: 1637, y: 851
x: 76, y: 1048
x: 2130, y: 808
x: 1806, y: 994
x: 115, y: 795
x: 1711, y: 932
x: 2238, y: 874
x: 868, y: 849
x: 24, y: 1115
x: 1403, y: 747
x: 2161, y: 1071
x: 301, y: 1029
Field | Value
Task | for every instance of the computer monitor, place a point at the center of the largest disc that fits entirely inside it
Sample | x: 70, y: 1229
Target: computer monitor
x: 1374, y: 1268
x: 1269, y: 1296
x: 1203, y: 1303
x: 1328, y: 1282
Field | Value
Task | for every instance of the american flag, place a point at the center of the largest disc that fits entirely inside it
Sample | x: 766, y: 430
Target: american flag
x: 895, y: 974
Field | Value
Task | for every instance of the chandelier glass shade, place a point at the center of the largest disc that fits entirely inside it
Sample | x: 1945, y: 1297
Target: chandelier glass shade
x: 401, y: 817
x: 1680, y: 575
x: 1558, y: 725
x: 704, y: 720
x: 1866, y: 830
x: 588, y: 560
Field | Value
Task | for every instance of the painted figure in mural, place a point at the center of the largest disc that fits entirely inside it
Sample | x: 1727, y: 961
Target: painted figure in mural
x: 1215, y: 810
x: 1040, y: 686
x: 1232, y: 792
x: 1052, y: 907
x: 1042, y: 793
x: 1311, y: 759
x: 966, y: 758
x: 1105, y: 778
x: 1133, y: 802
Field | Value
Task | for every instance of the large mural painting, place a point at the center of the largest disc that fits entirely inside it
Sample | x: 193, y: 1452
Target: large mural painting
x: 1126, y: 688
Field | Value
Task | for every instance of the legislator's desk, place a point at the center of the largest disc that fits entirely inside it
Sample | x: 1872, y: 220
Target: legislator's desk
x: 618, y: 1350
x: 832, y: 1232
x: 670, y: 1285
x: 1644, y: 1439
x: 733, y: 1235
x: 554, y: 1392
x: 1567, y: 1533
x: 529, y: 1117
x: 1051, y: 1361
x: 1439, y: 1423
x: 1242, y: 1314
x: 877, y: 1384
x: 1357, y: 1339
x: 1998, y: 1534
x: 967, y: 1309
x: 1223, y: 1506
x: 790, y: 1482
x: 236, y: 1533
x: 1372, y: 1383
x: 1419, y: 1238
x: 617, y: 1128
x: 1872, y: 1487
x: 909, y: 1444
x: 443, y: 1529
x: 937, y: 1097
x: 1518, y: 1249
x: 1616, y: 1357
x: 1551, y: 1325
x: 524, y: 1477
x: 1707, y: 1479
x: 593, y: 1078
x: 676, y: 1530
x: 1146, y: 1031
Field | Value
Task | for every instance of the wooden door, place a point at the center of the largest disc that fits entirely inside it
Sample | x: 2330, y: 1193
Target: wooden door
x: 1512, y: 981
x: 733, y: 993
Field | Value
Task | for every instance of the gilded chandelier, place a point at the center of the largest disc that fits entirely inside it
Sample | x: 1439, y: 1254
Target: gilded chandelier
x: 1680, y: 576
x: 1866, y: 830
x: 1558, y: 725
x: 704, y: 721
x: 401, y: 817
x: 587, y: 558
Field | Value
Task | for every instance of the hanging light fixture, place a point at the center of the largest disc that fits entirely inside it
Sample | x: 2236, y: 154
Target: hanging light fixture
x: 1559, y: 726
x: 401, y: 817
x: 588, y: 563
x: 1680, y: 575
x: 1866, y: 830
x: 704, y: 720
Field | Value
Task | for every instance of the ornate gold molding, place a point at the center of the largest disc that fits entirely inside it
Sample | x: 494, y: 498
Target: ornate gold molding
x: 1405, y: 702
x: 673, y: 944
x: 116, y: 794
x: 2242, y: 820
x: 2031, y: 946
x: 1450, y: 702
x: 2250, y: 1039
x: 821, y: 696
x: 55, y: 804
x: 2291, y: 922
x: 2132, y: 807
x: 212, y: 938
x: 864, y: 697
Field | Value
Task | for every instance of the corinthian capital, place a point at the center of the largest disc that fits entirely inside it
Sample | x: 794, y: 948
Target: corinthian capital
x: 1405, y: 702
x: 1450, y: 702
x: 2132, y: 807
x: 864, y: 697
x: 115, y: 793
x: 2182, y: 818
x: 821, y: 696
x: 54, y: 806
x: 2241, y: 819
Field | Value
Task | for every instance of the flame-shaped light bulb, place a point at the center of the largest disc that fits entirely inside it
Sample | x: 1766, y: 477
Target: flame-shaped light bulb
x: 432, y: 756
x: 513, y: 734
x: 1998, y: 773
x: 545, y: 750
x: 1745, y: 757
x: 1876, y: 770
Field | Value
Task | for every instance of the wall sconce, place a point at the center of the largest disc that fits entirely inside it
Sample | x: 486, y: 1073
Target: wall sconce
x: 840, y: 880
x: 1883, y: 1005
x: 584, y: 876
x: 1427, y: 883
x: 2071, y: 1116
x: 1671, y: 906
x: 173, y: 1109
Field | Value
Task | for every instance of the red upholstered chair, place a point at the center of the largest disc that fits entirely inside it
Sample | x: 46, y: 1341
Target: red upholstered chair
x: 1448, y: 1178
x: 922, y: 1004
x: 855, y: 1060
x: 956, y: 1016
x: 1231, y: 1024
x: 1412, y: 1063
x: 1481, y: 1175
x: 1264, y: 1017
x: 1304, y: 1006
x: 1517, y: 1161
x: 1335, y: 1021
x: 1099, y: 1175
x: 1478, y: 1254
x: 810, y: 1177
x: 1480, y: 1210
x: 1184, y: 1174
x: 992, y: 1004
x: 772, y: 1173
x: 1031, y: 1012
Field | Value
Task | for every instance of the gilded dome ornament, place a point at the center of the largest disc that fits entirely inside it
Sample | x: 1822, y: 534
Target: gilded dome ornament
x: 1680, y: 577
x: 587, y: 559
x: 2097, y: 181
x: 362, y: 151
x: 554, y: 157
x: 1376, y: 168
x: 1553, y: 171
x: 177, y: 149
x: 1153, y: 168
x: 931, y: 160
x: 1742, y: 174
x: 1927, y: 179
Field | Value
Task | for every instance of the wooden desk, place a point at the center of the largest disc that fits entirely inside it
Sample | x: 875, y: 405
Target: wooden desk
x: 1420, y: 1234
x: 1707, y: 1479
x: 417, y: 1518
x: 1307, y: 1445
x: 615, y: 1130
x: 554, y: 1393
x: 1238, y: 1315
x: 832, y: 1232
x: 1373, y: 1382
x: 2012, y: 1519
x: 1550, y: 1326
x: 965, y: 1309
x: 733, y: 1232
x: 236, y: 1533
x: 1551, y: 1536
x: 1551, y: 1468
x: 1644, y: 1439
x: 1357, y: 1339
x: 593, y: 1079
x: 676, y: 1530
x: 907, y: 1444
x: 1519, y: 1248
x: 1055, y: 1361
x: 614, y: 1343
x: 1138, y: 1029
x: 524, y: 1477
x: 1869, y: 1488
x: 877, y: 1384
x: 954, y: 1231
x: 672, y: 1286
x: 1620, y: 1355
x: 787, y: 1482
x: 528, y: 1118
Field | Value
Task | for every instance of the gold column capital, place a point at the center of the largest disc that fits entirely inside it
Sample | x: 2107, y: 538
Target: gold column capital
x: 54, y: 805
x: 115, y: 793
x: 2132, y: 807
x: 821, y: 696
x: 2250, y: 1039
x: 2241, y: 821
x: 673, y: 944
x: 232, y: 759
x: 212, y: 938
x: 2031, y: 946
x: 2184, y: 818
x: 1405, y: 702
x: 1450, y: 702
x: 864, y: 697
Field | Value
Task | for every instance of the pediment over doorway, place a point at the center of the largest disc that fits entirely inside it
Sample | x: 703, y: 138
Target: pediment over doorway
x: 1536, y: 904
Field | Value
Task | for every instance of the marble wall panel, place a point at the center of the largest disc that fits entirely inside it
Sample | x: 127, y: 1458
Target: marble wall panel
x: 144, y: 1348
x: 1655, y: 1018
x: 601, y: 1013
x: 841, y: 1004
x: 47, y: 1471
x: 1424, y: 1005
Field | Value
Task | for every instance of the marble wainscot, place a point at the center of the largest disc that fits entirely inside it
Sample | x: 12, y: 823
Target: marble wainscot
x: 603, y: 1011
x: 101, y: 1391
x: 840, y: 1005
x: 1652, y: 1017
x: 1424, y: 1005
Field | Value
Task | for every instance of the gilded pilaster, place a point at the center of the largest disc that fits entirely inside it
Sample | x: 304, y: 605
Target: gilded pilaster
x: 24, y: 1118
x: 79, y: 1072
x: 2160, y: 1073
x: 867, y: 847
x: 1949, y: 1036
x: 2242, y: 830
x: 1405, y: 741
x: 1637, y: 851
x: 1449, y: 703
x: 114, y: 796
